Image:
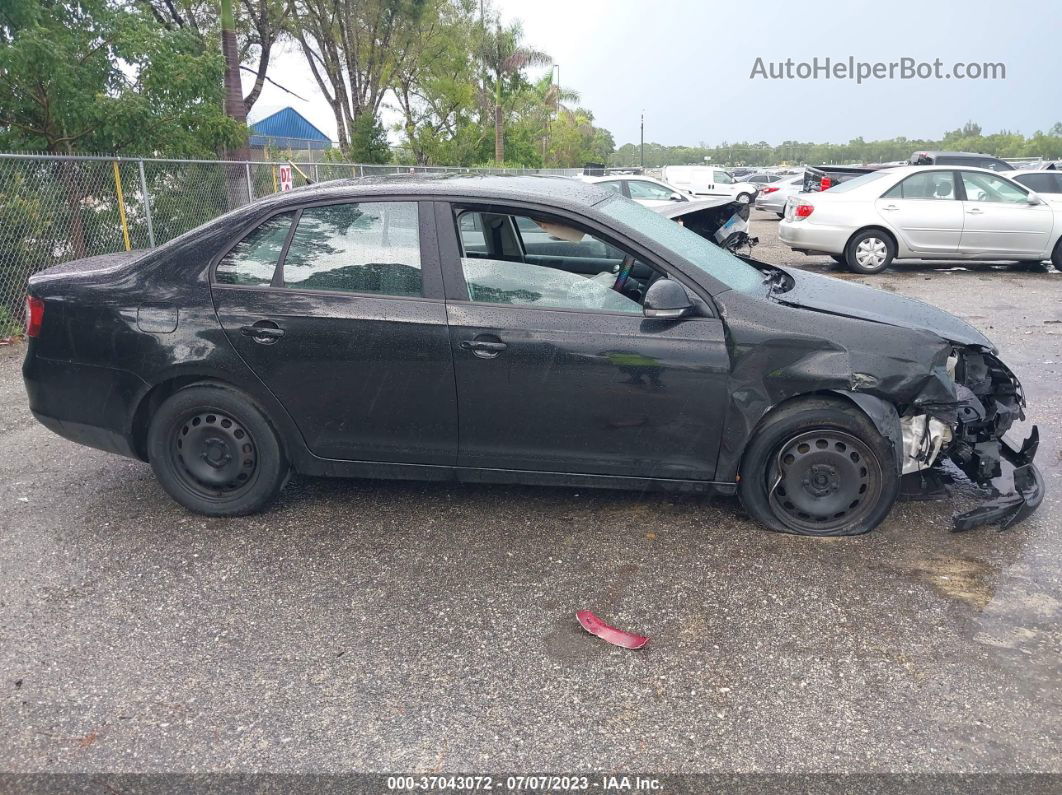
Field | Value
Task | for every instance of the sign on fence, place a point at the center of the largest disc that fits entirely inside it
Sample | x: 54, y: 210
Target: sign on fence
x: 285, y: 178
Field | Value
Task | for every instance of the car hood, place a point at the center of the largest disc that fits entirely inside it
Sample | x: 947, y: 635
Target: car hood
x: 840, y: 297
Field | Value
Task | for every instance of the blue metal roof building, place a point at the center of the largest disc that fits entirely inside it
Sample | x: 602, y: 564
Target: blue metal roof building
x: 287, y: 129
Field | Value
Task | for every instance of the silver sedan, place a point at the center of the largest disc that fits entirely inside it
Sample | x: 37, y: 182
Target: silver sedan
x: 924, y: 212
x: 773, y: 197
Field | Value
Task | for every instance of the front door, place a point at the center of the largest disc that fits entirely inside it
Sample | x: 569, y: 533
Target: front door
x: 559, y: 371
x: 1000, y: 221
x: 336, y: 310
x: 924, y: 209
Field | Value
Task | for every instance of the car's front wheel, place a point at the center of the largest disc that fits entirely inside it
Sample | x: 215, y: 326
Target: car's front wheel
x: 869, y: 251
x: 819, y: 467
x: 743, y: 198
x: 215, y: 452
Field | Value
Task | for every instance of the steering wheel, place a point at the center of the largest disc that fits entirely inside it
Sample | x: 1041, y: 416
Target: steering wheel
x: 624, y: 273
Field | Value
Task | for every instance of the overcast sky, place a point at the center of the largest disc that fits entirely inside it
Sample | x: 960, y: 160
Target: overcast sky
x: 687, y: 63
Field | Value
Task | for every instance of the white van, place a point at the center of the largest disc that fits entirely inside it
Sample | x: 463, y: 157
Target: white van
x: 709, y: 181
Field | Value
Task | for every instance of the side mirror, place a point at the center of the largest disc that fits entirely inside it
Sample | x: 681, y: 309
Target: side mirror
x: 666, y: 299
x: 677, y: 197
x: 1034, y: 198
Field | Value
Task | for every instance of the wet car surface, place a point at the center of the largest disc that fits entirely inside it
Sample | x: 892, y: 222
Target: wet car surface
x: 394, y: 626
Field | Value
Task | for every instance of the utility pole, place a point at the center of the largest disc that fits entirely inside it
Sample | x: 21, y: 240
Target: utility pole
x: 641, y: 157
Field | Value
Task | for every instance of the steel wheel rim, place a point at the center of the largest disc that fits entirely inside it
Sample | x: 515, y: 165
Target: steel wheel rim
x: 824, y: 480
x: 871, y: 252
x: 213, y: 454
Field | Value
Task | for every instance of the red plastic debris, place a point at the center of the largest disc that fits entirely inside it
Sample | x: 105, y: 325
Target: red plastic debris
x: 609, y: 634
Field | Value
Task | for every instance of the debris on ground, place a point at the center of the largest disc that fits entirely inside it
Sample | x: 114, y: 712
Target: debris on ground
x: 610, y: 634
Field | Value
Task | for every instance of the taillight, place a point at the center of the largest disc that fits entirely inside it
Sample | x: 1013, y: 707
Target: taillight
x: 825, y: 183
x: 769, y: 189
x: 34, y: 315
x: 803, y: 210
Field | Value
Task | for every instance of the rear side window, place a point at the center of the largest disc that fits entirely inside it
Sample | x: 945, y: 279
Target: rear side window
x: 370, y: 247
x: 927, y: 185
x: 252, y: 261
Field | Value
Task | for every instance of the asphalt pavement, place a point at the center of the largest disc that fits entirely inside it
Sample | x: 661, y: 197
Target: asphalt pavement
x: 391, y: 626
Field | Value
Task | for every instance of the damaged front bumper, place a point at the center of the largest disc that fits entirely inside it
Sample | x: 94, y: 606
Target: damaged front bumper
x: 971, y: 433
x: 1019, y: 488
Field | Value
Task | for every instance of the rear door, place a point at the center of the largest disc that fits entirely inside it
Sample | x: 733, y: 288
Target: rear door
x: 924, y: 209
x: 338, y: 309
x: 1000, y: 221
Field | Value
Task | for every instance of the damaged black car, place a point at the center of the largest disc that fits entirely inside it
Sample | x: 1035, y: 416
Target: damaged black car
x: 515, y: 330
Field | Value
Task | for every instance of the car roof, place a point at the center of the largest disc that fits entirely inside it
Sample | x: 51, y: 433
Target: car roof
x: 557, y: 190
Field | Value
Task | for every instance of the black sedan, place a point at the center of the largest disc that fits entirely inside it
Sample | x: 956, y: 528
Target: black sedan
x: 528, y: 330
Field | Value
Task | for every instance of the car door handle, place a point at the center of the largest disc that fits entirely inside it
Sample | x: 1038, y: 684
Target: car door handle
x: 264, y: 331
x: 974, y: 211
x: 890, y: 207
x: 485, y: 348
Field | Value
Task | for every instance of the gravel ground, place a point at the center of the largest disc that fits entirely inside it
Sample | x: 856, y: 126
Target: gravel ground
x: 388, y: 626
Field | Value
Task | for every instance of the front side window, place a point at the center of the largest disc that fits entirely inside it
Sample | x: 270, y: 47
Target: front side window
x: 367, y: 247
x: 926, y: 185
x: 987, y: 188
x: 641, y: 189
x: 252, y: 261
x: 547, y: 264
x: 723, y: 178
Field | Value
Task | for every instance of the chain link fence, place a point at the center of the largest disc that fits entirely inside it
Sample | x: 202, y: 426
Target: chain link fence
x: 54, y: 209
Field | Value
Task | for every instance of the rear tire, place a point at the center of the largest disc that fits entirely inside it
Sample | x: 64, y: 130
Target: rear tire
x: 214, y: 451
x: 1056, y: 256
x: 869, y: 251
x: 819, y: 467
x: 743, y: 198
x: 839, y: 259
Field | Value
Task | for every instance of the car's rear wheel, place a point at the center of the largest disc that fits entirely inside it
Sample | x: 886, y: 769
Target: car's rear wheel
x: 819, y: 467
x: 743, y: 198
x: 1056, y: 256
x: 215, y: 452
x: 838, y: 258
x: 869, y: 251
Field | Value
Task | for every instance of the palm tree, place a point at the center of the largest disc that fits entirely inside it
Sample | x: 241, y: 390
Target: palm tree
x: 552, y: 99
x: 504, y: 57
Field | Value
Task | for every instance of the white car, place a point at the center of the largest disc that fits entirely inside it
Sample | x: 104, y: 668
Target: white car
x: 703, y: 181
x: 646, y: 191
x: 924, y: 212
x: 1046, y: 182
x: 773, y: 197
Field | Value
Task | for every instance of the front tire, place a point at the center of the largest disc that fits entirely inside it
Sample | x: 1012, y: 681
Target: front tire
x: 1056, y: 255
x: 819, y: 467
x: 214, y: 451
x: 869, y: 251
x: 743, y: 198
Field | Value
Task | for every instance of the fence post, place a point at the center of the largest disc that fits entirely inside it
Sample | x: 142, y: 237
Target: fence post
x: 121, y: 205
x: 250, y: 185
x: 146, y: 198
x: 316, y: 173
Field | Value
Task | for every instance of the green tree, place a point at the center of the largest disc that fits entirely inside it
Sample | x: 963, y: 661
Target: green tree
x: 504, y: 57
x: 368, y: 141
